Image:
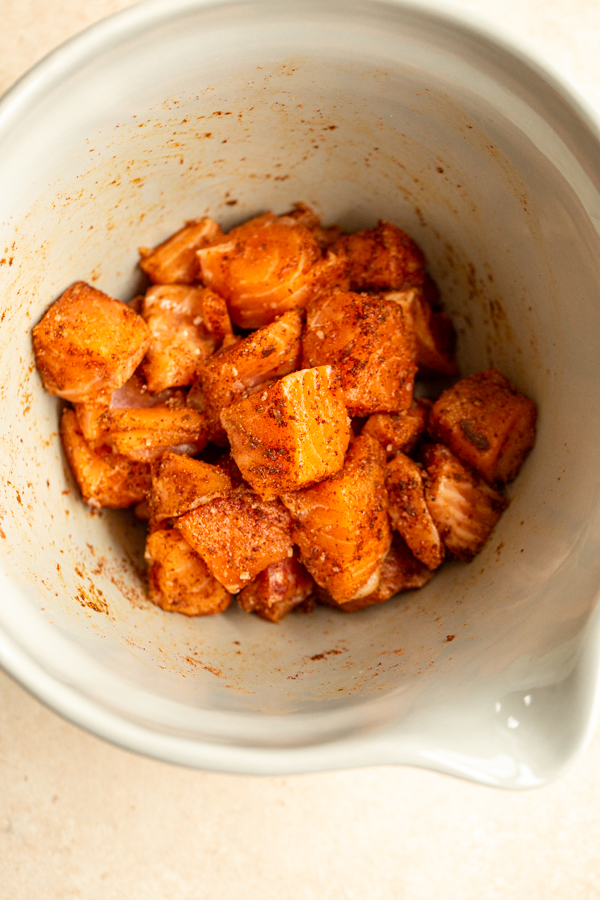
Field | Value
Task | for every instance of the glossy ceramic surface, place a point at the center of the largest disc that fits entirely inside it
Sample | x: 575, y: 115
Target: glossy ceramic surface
x: 366, y: 110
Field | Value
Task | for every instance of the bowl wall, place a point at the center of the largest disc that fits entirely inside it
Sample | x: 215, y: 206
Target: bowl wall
x: 364, y: 110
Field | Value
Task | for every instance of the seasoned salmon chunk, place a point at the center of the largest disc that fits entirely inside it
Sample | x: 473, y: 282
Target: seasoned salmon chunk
x: 277, y: 590
x: 341, y: 524
x: 463, y: 506
x: 238, y: 536
x: 105, y: 479
x: 399, y: 431
x: 180, y: 484
x: 175, y: 261
x: 231, y: 373
x: 179, y: 579
x: 401, y: 571
x: 435, y: 338
x: 292, y: 434
x: 409, y: 513
x: 180, y: 338
x: 267, y: 266
x: 145, y: 434
x: 88, y: 344
x: 367, y: 339
x: 381, y: 257
x: 487, y: 423
x: 134, y: 394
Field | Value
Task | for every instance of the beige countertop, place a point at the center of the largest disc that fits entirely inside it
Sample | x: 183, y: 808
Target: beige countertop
x: 80, y: 818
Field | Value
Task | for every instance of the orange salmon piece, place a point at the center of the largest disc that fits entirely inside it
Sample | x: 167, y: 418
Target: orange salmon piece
x: 401, y: 571
x: 399, y: 431
x: 179, y: 579
x: 291, y: 434
x: 341, y: 524
x: 463, y: 506
x: 180, y: 338
x: 487, y: 423
x: 230, y: 374
x: 303, y: 214
x: 382, y: 257
x: 175, y: 261
x: 367, y: 339
x: 277, y: 590
x: 144, y: 434
x: 409, y: 513
x: 238, y: 536
x: 105, y: 479
x: 267, y: 266
x: 216, y: 317
x: 180, y: 484
x: 88, y: 344
x: 435, y: 337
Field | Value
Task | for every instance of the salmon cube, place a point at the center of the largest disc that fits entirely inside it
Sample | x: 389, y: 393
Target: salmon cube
x: 341, y: 525
x: 292, y: 434
x: 325, y: 237
x: 368, y: 340
x: 105, y: 479
x: 267, y: 266
x: 434, y: 334
x: 231, y: 373
x: 463, y: 506
x: 216, y: 317
x: 134, y: 394
x: 238, y: 536
x: 409, y: 513
x: 180, y: 339
x: 487, y: 423
x: 179, y: 579
x: 88, y: 344
x: 145, y: 434
x: 382, y: 257
x: 399, y: 431
x: 175, y: 261
x: 401, y: 571
x: 180, y: 484
x: 277, y: 590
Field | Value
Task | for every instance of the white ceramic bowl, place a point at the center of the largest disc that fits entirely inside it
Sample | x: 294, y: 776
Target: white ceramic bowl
x: 176, y: 108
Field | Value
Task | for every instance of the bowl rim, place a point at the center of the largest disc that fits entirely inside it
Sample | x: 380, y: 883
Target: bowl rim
x: 31, y: 89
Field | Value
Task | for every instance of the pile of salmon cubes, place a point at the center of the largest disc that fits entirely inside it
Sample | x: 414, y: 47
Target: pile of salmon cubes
x: 256, y: 407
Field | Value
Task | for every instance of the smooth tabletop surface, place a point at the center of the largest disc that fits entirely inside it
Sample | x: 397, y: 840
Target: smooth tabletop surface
x: 80, y: 818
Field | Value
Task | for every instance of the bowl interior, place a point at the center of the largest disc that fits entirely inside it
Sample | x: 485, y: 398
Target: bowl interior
x: 364, y: 111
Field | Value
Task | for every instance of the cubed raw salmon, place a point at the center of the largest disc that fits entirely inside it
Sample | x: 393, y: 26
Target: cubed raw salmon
x: 216, y: 317
x: 134, y: 394
x: 435, y: 337
x: 267, y: 266
x: 463, y: 506
x: 180, y: 341
x: 303, y: 214
x: 382, y: 257
x: 408, y: 511
x: 231, y: 373
x: 401, y: 571
x: 277, y: 590
x: 367, y: 339
x: 341, y: 525
x: 179, y: 579
x: 399, y: 431
x: 487, y: 423
x: 88, y: 344
x: 291, y: 434
x: 180, y: 484
x: 105, y: 479
x: 145, y: 434
x: 238, y: 536
x: 175, y: 261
